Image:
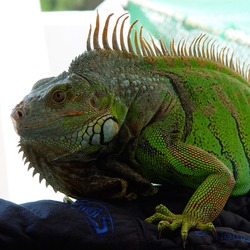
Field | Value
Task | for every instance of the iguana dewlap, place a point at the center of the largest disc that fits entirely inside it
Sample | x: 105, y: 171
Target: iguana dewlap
x: 123, y: 117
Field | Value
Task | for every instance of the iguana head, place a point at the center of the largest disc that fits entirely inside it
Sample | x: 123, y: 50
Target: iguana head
x: 65, y: 115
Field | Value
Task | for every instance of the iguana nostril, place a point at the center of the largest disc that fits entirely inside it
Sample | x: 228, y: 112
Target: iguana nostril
x: 18, y: 114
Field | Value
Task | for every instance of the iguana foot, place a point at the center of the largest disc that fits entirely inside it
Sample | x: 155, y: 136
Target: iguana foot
x: 172, y: 221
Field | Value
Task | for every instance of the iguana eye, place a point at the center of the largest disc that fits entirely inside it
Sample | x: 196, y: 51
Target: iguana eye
x: 59, y: 96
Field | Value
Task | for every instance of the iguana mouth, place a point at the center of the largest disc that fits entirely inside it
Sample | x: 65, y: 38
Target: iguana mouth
x: 98, y: 131
x: 18, y: 114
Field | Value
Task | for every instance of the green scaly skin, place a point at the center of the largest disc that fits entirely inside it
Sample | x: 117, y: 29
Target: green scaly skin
x: 117, y: 121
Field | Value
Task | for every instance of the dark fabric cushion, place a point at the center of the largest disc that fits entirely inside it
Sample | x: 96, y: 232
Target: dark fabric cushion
x: 119, y: 225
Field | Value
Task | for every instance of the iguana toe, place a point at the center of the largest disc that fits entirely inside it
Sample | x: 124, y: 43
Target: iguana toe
x: 172, y: 221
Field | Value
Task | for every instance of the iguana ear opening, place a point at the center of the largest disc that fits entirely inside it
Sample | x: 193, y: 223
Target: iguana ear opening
x: 94, y: 102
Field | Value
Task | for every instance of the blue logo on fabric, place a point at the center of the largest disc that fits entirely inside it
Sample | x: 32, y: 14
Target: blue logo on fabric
x: 228, y: 236
x: 97, y: 216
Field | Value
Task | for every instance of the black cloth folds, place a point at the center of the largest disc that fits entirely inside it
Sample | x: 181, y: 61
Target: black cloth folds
x: 118, y: 225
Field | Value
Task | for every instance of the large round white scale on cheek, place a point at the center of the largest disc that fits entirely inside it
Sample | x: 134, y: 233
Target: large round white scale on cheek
x: 109, y: 130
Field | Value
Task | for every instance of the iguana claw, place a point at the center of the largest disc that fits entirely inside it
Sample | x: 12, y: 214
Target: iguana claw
x: 172, y: 221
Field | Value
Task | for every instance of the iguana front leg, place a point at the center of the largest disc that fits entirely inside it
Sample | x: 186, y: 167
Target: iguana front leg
x: 159, y: 154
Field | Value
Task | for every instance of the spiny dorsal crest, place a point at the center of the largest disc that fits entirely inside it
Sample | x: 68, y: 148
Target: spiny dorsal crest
x: 200, y: 47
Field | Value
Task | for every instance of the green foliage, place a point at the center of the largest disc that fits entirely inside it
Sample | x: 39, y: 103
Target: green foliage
x: 61, y: 5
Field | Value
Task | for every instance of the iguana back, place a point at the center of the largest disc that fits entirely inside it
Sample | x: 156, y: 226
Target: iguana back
x: 215, y: 102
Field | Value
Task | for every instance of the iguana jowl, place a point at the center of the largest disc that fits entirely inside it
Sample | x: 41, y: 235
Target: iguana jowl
x: 122, y: 117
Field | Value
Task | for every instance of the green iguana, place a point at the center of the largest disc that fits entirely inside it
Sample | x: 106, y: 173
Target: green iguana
x: 124, y: 116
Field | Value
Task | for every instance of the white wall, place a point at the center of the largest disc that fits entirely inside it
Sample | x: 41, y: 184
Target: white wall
x: 24, y: 59
x: 33, y: 45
